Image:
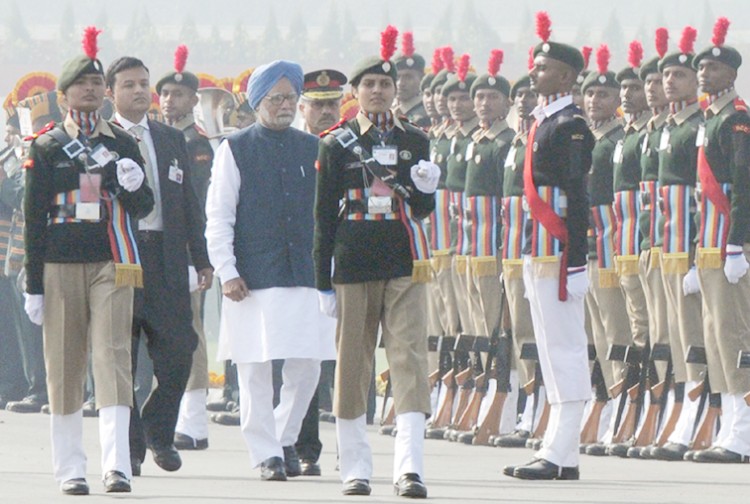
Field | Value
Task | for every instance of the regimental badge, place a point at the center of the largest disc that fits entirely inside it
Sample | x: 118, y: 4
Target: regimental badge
x: 97, y: 65
x: 405, y: 155
x: 410, y: 62
x: 386, y: 67
x: 683, y: 58
x: 478, y: 159
x: 178, y: 77
x: 545, y: 47
x: 323, y: 79
x: 602, y: 79
x: 580, y: 79
x: 461, y: 85
x: 716, y: 51
x: 491, y: 81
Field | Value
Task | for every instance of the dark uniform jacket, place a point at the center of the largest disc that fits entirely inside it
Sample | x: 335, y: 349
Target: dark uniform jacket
x: 200, y: 155
x: 648, y: 217
x: 49, y: 171
x: 364, y: 250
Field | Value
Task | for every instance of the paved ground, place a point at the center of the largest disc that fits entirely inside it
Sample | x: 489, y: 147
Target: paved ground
x: 455, y: 474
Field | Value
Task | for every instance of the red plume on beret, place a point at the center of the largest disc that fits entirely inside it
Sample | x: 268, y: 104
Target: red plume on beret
x: 463, y: 67
x: 496, y: 59
x: 687, y: 41
x: 407, y: 44
x: 530, y: 62
x: 90, y: 47
x: 447, y: 54
x: 388, y: 42
x: 180, y: 58
x: 635, y: 54
x: 602, y: 59
x: 720, y: 31
x: 543, y: 26
x: 437, y: 62
x: 662, y: 41
x: 586, y: 52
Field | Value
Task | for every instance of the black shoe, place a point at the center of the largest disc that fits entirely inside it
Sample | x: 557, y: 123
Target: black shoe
x: 465, y: 437
x: 45, y: 409
x: 327, y: 416
x: 185, y: 442
x: 545, y: 470
x: 515, y: 439
x: 510, y: 469
x: 688, y: 457
x: 717, y: 455
x: 435, y: 433
x: 272, y: 469
x: 291, y: 462
x: 29, y: 404
x: 636, y: 452
x: 618, y: 450
x: 410, y: 485
x: 596, y: 449
x: 670, y: 451
x: 89, y: 409
x: 356, y: 487
x: 116, y: 482
x: 167, y: 457
x: 135, y: 466
x: 218, y: 405
x: 386, y: 430
x: 226, y: 418
x: 77, y: 486
x: 309, y: 468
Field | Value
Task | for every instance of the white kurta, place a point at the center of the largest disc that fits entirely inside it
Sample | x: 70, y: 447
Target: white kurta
x: 274, y: 323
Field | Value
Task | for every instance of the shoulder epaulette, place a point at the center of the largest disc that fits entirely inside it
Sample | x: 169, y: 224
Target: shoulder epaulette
x: 42, y: 131
x: 334, y: 127
x: 739, y: 104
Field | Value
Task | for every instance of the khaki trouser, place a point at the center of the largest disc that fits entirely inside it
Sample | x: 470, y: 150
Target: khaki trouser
x: 520, y: 319
x: 437, y: 318
x: 688, y: 311
x: 199, y: 370
x: 726, y: 327
x: 83, y: 309
x: 635, y: 301
x: 609, y: 323
x: 486, y: 294
x: 659, y: 321
x: 398, y: 307
x: 461, y: 272
x: 443, y: 268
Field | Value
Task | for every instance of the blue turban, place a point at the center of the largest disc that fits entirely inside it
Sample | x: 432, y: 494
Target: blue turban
x: 266, y: 76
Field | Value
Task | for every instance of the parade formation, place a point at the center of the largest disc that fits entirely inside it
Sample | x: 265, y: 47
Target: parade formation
x: 555, y: 260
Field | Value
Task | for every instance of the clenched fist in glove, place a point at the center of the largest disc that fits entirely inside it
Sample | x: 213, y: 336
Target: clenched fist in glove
x: 327, y: 303
x: 34, y: 306
x: 129, y: 174
x: 690, y: 282
x: 736, y: 265
x: 425, y: 175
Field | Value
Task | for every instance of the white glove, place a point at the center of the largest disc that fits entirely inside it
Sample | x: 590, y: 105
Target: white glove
x: 735, y: 267
x: 192, y: 279
x: 327, y: 303
x: 129, y: 174
x: 690, y: 282
x: 578, y: 283
x: 34, y: 306
x: 425, y: 175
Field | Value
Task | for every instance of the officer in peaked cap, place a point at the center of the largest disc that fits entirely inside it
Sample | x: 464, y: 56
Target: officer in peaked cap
x: 320, y: 102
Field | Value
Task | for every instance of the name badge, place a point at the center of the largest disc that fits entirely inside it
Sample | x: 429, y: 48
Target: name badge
x: 510, y: 159
x: 617, y: 158
x: 701, y: 136
x: 88, y: 211
x: 379, y: 204
x: 90, y: 185
x: 385, y: 155
x: 664, y: 141
x: 101, y: 155
x: 644, y: 147
x: 470, y: 150
x: 175, y: 174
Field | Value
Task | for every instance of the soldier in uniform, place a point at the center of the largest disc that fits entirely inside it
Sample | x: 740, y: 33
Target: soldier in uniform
x: 381, y: 266
x: 410, y: 71
x: 427, y: 99
x: 558, y: 155
x: 724, y: 242
x: 84, y: 184
x: 177, y: 98
x: 605, y: 301
x: 677, y: 177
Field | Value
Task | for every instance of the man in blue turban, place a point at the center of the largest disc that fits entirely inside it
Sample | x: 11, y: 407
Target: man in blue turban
x: 259, y: 233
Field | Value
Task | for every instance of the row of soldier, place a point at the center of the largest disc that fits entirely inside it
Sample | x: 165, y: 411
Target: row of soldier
x: 649, y: 374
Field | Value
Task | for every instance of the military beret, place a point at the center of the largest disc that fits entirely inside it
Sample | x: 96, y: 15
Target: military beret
x: 84, y: 64
x: 725, y: 54
x: 684, y: 56
x: 628, y: 73
x: 413, y: 62
x: 561, y: 52
x: 487, y: 81
x: 378, y: 65
x: 439, y: 79
x: 603, y: 76
x: 426, y: 81
x: 635, y: 56
x: 455, y: 84
x: 323, y: 85
x: 523, y: 82
x: 649, y: 67
x: 179, y: 75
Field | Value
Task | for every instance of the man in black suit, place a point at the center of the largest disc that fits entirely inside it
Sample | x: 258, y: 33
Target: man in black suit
x: 162, y: 309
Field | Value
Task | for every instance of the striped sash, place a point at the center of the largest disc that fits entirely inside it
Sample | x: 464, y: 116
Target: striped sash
x: 122, y: 243
x: 627, y: 243
x: 605, y: 224
x: 362, y: 195
x: 714, y: 230
x: 544, y: 245
x: 420, y: 250
x: 676, y: 210
x: 440, y: 222
x: 649, y: 196
x: 483, y: 225
x: 514, y: 228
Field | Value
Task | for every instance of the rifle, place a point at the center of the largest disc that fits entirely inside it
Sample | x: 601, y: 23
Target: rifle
x: 468, y: 419
x: 464, y: 379
x: 657, y: 395
x: 445, y: 409
x: 590, y: 430
x: 705, y: 434
x: 635, y: 379
x: 679, y: 397
x: 490, y: 425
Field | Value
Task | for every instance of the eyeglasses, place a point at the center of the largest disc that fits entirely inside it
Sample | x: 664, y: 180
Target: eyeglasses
x: 278, y: 99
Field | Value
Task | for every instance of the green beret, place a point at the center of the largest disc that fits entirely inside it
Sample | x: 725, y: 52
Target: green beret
x: 487, y: 81
x: 426, y: 81
x: 676, y: 59
x: 724, y: 54
x: 413, y: 62
x: 561, y: 52
x: 523, y: 82
x: 627, y: 73
x: 649, y: 67
x: 74, y: 68
x: 187, y: 79
x: 453, y: 84
x: 439, y: 79
x: 597, y: 79
x: 372, y: 65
